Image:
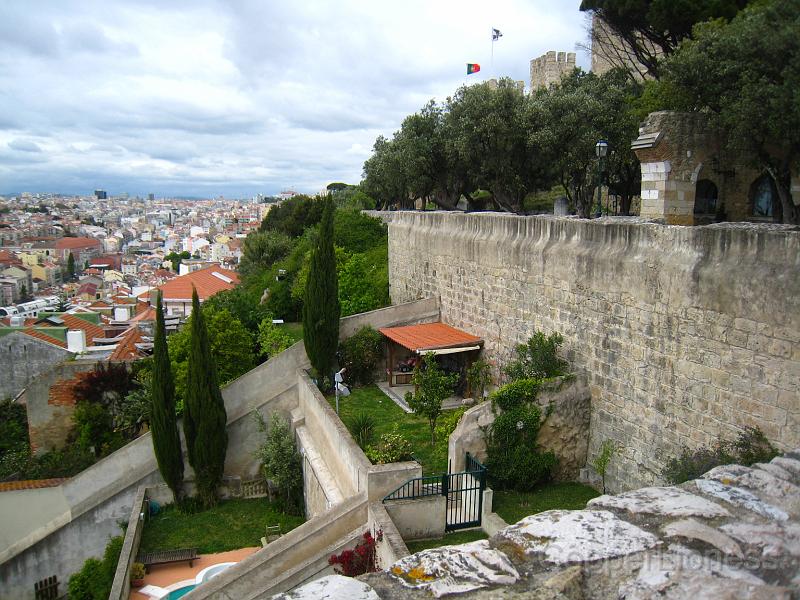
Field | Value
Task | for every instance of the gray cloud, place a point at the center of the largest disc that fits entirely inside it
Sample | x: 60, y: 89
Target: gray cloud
x: 210, y: 96
x: 24, y: 145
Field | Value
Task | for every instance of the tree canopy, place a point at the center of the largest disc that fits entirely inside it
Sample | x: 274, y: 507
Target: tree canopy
x: 230, y: 342
x: 494, y: 147
x: 652, y: 29
x: 204, y: 418
x: 745, y: 75
x: 163, y: 421
x: 321, y: 307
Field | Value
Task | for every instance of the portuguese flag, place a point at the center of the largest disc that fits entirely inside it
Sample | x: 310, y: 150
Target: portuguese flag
x: 473, y: 68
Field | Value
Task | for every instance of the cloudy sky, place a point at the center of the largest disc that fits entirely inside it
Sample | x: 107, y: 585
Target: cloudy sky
x: 239, y: 97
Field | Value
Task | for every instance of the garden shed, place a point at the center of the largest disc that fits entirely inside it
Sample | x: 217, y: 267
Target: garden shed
x: 455, y: 349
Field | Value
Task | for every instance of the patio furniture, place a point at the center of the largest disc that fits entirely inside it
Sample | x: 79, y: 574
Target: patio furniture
x: 273, y: 532
x: 167, y: 556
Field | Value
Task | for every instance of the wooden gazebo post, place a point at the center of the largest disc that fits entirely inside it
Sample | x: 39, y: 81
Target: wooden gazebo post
x: 389, y: 366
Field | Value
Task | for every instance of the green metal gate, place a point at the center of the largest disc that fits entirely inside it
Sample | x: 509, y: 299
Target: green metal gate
x: 463, y: 491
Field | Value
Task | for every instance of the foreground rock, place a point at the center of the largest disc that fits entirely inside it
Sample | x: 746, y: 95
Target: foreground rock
x: 733, y: 534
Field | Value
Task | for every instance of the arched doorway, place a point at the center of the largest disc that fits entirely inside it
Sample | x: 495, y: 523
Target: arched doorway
x: 705, y: 198
x: 763, y: 197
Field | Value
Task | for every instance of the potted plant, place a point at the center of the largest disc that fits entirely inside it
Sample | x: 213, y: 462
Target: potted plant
x: 137, y: 575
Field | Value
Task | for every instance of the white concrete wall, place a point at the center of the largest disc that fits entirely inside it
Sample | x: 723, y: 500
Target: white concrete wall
x: 419, y: 519
x: 392, y: 548
x: 121, y: 588
x: 344, y: 458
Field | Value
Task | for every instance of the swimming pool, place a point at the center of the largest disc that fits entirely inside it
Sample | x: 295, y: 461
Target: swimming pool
x: 202, y: 577
x: 181, y: 592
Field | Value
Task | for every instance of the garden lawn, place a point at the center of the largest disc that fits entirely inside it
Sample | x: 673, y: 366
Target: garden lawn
x: 372, y: 401
x: 294, y: 330
x: 513, y: 506
x: 449, y: 539
x: 231, y: 525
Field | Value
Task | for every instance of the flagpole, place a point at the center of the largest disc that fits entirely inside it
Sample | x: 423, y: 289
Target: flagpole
x: 492, y: 63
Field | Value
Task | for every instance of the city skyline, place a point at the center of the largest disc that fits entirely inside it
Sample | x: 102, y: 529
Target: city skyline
x: 203, y: 99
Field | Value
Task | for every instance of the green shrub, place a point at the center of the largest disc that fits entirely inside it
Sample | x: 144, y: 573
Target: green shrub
x: 362, y: 428
x: 750, y: 447
x: 360, y: 354
x: 94, y: 580
x: 478, y: 377
x: 281, y: 463
x: 392, y: 447
x: 446, y: 425
x: 538, y: 359
x: 59, y: 463
x: 513, y: 460
x: 515, y: 394
x: 600, y: 463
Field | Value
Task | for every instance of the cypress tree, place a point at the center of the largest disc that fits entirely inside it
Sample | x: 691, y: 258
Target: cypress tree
x: 204, y: 412
x: 71, y: 266
x: 321, y: 308
x: 163, y: 422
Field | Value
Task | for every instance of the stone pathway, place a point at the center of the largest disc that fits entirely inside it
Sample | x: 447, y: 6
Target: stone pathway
x: 397, y: 394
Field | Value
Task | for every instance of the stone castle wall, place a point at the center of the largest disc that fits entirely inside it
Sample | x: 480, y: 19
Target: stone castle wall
x: 684, y: 333
x: 549, y: 68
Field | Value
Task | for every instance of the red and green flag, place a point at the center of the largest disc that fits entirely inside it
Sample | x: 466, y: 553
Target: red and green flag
x: 473, y: 68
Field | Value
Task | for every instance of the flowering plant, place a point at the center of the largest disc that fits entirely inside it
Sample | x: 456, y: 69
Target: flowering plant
x: 361, y: 559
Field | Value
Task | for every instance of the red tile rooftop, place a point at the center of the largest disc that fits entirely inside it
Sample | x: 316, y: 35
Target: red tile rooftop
x: 31, y: 484
x: 429, y: 336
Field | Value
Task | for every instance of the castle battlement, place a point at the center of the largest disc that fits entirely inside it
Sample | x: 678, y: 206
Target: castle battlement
x: 549, y: 68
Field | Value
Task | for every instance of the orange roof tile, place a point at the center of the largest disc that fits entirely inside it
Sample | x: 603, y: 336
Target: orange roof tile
x: 126, y: 348
x: 31, y: 484
x: 429, y: 336
x: 92, y: 330
x: 148, y: 314
x: 39, y: 335
x: 77, y: 242
x: 204, y: 280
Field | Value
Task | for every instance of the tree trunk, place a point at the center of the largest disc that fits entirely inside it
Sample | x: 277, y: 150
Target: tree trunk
x: 783, y: 184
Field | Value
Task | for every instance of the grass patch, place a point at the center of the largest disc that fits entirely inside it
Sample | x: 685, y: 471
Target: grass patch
x: 294, y: 330
x: 231, y: 525
x: 513, y: 506
x: 372, y: 401
x: 449, y: 539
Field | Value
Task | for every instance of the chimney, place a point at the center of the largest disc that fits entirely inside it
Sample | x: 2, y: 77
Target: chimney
x: 121, y: 313
x: 76, y: 340
x: 154, y: 296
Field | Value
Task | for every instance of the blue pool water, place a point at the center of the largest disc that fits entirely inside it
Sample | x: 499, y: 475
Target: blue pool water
x: 180, y: 592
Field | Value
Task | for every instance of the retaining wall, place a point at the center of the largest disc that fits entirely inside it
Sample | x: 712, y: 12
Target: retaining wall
x: 86, y: 510
x: 684, y: 333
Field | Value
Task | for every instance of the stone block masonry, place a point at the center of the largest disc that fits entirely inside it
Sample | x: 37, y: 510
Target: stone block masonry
x: 733, y: 533
x: 684, y: 334
x: 548, y: 69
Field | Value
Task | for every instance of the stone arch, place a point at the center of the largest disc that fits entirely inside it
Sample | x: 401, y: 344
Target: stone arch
x: 706, y: 197
x: 763, y: 197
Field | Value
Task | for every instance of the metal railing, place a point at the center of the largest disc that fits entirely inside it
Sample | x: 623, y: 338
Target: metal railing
x: 439, y: 485
x: 473, y: 464
x: 419, y: 487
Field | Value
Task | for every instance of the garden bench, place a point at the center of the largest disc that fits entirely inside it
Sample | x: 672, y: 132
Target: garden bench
x: 167, y: 556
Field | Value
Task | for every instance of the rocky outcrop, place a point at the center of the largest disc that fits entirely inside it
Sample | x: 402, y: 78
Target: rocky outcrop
x: 565, y: 430
x: 732, y: 534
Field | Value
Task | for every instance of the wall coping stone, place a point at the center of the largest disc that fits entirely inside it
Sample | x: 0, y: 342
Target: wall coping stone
x: 654, y: 551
